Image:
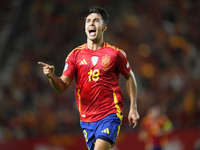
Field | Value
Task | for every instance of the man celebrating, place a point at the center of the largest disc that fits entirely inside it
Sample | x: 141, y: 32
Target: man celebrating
x: 96, y: 66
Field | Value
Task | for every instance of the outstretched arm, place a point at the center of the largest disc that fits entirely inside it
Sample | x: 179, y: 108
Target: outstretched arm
x: 131, y: 86
x: 60, y: 84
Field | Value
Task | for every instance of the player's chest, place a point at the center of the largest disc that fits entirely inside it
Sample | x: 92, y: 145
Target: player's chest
x: 102, y: 62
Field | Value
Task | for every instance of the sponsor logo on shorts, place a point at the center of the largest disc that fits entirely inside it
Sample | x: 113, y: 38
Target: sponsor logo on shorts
x: 105, y: 131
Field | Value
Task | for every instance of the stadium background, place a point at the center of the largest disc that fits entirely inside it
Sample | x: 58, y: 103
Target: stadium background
x: 162, y: 42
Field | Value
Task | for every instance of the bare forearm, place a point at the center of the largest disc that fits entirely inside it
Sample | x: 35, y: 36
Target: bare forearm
x: 58, y: 84
x: 131, y: 86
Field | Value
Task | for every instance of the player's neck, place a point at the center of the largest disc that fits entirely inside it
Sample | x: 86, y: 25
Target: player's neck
x: 94, y: 45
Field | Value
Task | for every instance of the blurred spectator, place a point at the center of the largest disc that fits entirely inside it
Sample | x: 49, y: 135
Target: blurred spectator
x: 155, y: 128
x: 197, y: 144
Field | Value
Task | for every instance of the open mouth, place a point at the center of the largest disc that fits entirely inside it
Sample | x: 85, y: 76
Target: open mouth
x: 92, y: 32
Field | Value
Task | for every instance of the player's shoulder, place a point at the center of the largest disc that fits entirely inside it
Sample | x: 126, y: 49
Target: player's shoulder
x: 83, y: 46
x: 77, y: 49
x: 115, y: 49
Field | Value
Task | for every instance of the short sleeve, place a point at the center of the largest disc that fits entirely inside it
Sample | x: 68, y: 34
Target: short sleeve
x: 69, y: 68
x: 123, y: 64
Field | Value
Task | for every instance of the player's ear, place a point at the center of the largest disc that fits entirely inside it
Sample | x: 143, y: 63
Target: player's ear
x: 105, y: 27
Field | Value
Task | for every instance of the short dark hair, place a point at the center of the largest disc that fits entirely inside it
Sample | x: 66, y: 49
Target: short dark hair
x: 98, y: 10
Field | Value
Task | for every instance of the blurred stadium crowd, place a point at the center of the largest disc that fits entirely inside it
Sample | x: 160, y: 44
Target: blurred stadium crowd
x: 161, y: 40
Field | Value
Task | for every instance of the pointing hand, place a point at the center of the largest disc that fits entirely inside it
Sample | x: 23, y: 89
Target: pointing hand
x: 47, y: 69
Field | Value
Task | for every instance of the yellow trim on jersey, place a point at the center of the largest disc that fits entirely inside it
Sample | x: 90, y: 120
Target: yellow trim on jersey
x: 118, y: 110
x: 117, y: 106
x: 104, y: 44
x: 79, y: 47
x: 113, y: 47
x: 79, y: 97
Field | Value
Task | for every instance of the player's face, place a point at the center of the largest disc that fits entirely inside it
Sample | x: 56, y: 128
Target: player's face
x: 94, y: 26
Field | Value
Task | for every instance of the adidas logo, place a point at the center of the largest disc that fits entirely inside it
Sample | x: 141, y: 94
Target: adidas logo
x: 83, y: 62
x: 105, y: 131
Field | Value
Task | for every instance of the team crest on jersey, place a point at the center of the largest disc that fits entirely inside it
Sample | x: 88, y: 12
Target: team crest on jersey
x: 105, y: 61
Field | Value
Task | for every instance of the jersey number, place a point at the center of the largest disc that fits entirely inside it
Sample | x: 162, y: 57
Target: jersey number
x: 85, y: 135
x: 93, y: 75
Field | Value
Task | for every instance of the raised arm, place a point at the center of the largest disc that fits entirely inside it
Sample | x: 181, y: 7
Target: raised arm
x: 131, y: 86
x: 60, y: 84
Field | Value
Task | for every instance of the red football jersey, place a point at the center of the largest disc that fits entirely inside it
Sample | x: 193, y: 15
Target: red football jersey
x: 96, y: 80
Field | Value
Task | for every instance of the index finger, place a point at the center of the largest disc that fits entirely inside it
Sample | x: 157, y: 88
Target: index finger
x: 43, y: 64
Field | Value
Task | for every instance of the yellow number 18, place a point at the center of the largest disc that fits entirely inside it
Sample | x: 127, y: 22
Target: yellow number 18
x: 93, y: 75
